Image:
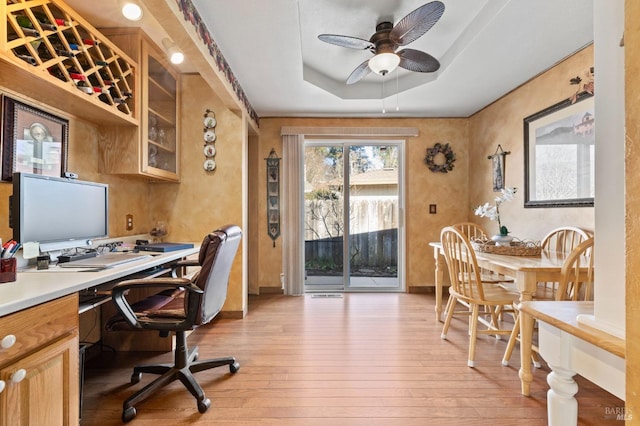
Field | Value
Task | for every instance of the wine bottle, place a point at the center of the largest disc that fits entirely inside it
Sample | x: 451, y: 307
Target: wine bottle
x: 27, y: 26
x: 66, y: 53
x: 84, y: 87
x: 57, y: 72
x: 120, y: 100
x: 74, y: 46
x: 90, y: 42
x: 102, y: 90
x: 29, y: 59
x: 62, y: 22
x: 77, y: 76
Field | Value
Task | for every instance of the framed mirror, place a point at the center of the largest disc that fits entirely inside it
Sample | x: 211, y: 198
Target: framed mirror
x: 559, y: 155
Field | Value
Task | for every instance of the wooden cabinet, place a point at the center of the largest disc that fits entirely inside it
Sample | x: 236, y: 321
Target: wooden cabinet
x: 39, y: 369
x: 153, y: 149
x: 49, y: 53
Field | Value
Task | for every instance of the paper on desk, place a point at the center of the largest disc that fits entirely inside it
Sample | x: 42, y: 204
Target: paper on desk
x: 30, y: 250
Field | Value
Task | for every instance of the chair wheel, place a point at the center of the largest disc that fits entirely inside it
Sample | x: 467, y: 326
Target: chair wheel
x: 203, y: 405
x: 128, y: 414
x: 234, y: 367
x: 135, y: 378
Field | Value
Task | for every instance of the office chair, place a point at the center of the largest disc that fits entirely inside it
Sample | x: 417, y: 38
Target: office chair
x: 183, y: 304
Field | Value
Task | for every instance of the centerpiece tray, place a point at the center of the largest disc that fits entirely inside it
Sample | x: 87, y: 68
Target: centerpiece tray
x: 515, y: 248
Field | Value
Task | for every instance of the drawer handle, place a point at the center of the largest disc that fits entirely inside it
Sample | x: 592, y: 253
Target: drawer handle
x: 19, y: 375
x: 2, y: 385
x: 8, y: 341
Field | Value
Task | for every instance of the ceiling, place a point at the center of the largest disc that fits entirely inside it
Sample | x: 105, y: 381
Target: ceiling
x: 486, y: 48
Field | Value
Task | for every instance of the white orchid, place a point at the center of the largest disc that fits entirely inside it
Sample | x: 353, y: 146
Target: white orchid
x: 493, y: 212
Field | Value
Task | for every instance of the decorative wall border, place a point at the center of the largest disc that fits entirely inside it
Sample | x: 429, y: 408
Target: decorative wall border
x: 191, y: 15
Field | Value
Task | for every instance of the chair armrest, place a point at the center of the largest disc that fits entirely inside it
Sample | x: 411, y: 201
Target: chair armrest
x: 180, y: 267
x: 121, y: 289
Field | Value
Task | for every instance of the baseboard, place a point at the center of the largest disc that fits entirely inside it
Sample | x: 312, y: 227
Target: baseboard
x: 231, y: 315
x: 422, y: 289
x: 271, y: 290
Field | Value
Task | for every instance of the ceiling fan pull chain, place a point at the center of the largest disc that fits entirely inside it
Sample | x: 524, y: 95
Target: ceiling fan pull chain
x: 384, y: 111
x: 397, y: 94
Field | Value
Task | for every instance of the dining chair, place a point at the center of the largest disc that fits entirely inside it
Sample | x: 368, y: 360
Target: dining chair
x: 576, y: 283
x: 563, y: 239
x: 472, y: 231
x: 468, y: 289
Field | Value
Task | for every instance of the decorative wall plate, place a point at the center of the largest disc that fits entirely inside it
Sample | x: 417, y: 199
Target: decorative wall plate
x: 210, y: 122
x: 209, y: 165
x: 209, y: 136
x: 209, y: 150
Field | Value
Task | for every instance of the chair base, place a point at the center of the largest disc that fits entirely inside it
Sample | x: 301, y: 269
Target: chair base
x: 184, y: 367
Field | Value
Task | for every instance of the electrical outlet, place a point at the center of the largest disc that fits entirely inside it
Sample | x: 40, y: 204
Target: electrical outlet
x: 129, y: 222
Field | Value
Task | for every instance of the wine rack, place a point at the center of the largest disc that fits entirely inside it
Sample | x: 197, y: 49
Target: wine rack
x: 47, y: 38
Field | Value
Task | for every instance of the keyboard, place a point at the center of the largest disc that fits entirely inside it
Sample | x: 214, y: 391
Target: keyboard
x: 106, y: 260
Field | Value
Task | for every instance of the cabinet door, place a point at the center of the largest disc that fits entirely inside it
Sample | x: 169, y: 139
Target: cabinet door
x: 159, y: 135
x: 48, y: 394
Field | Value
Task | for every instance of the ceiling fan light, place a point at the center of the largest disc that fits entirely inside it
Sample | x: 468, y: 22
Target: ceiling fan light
x: 384, y: 63
x: 131, y: 10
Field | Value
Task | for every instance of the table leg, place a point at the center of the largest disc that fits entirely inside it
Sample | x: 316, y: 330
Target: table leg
x: 439, y: 275
x: 526, y: 341
x: 562, y: 407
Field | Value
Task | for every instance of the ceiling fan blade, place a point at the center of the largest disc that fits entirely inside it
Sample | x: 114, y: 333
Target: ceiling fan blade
x: 359, y: 73
x: 418, y: 61
x: 347, y: 41
x: 415, y: 24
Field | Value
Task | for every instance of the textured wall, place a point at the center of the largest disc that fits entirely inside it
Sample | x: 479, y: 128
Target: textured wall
x: 423, y: 187
x: 125, y: 195
x: 502, y: 123
x: 204, y: 200
x: 455, y: 193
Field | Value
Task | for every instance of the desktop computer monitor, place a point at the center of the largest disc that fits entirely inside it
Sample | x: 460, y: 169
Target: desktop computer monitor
x: 58, y: 213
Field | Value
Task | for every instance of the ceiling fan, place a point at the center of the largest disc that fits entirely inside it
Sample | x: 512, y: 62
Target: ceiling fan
x: 387, y: 38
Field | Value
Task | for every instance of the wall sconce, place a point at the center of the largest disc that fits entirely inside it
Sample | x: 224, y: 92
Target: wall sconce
x: 131, y: 10
x: 175, y: 55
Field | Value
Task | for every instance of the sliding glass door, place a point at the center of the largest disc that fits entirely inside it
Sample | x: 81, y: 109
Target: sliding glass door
x: 352, y: 215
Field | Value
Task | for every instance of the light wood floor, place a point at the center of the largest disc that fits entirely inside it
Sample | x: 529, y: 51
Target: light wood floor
x: 364, y: 359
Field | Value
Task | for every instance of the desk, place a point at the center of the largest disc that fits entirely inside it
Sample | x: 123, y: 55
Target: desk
x: 39, y: 324
x: 35, y: 287
x: 570, y: 348
x: 526, y: 270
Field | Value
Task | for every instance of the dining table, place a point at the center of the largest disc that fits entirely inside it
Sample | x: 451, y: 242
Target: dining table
x: 526, y: 271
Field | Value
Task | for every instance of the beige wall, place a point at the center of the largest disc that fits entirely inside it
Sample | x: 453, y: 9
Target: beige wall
x: 204, y: 200
x: 423, y: 187
x: 200, y: 203
x: 502, y: 123
x: 454, y: 193
x: 126, y: 195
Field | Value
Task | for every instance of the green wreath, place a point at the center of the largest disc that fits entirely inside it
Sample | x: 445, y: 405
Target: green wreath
x: 449, y: 158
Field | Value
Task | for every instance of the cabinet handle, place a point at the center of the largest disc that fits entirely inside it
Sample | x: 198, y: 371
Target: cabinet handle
x: 8, y: 341
x: 2, y: 385
x: 19, y: 375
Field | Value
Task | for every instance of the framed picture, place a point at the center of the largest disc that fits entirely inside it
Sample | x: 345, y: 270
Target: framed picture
x: 559, y: 155
x: 33, y: 141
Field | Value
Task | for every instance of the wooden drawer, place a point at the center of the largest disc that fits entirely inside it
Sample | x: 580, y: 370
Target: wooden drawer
x: 38, y: 326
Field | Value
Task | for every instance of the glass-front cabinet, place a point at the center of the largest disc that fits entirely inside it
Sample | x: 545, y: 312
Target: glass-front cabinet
x: 159, y: 132
x: 154, y: 150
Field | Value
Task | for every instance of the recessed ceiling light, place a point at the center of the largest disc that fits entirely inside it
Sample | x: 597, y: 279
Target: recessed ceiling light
x: 131, y: 10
